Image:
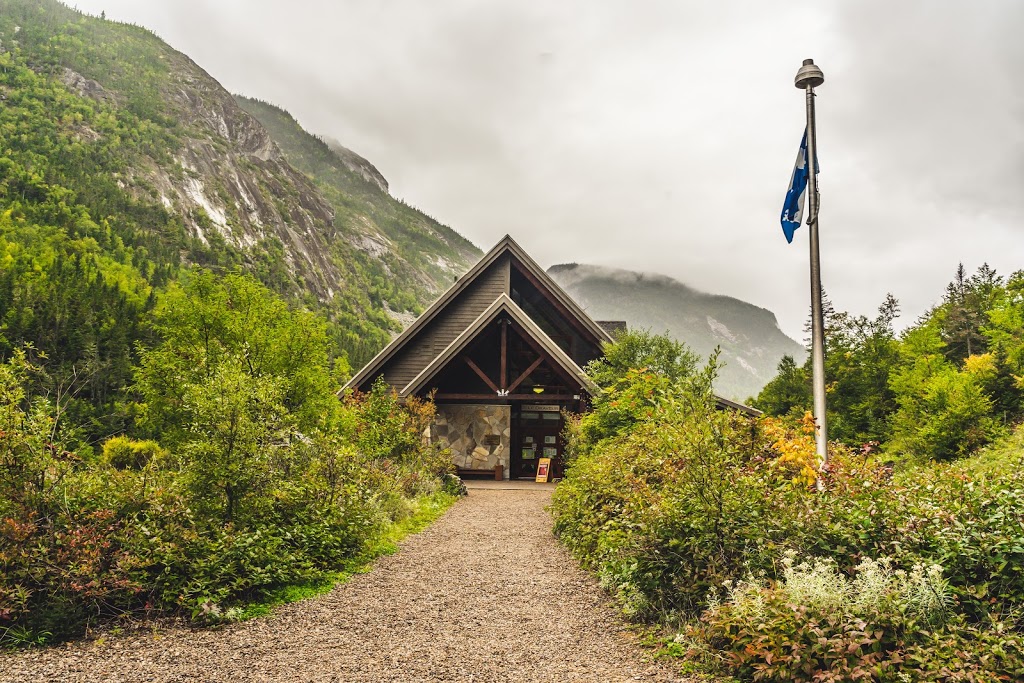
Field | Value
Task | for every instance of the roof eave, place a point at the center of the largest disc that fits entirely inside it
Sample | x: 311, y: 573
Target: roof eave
x: 398, y: 342
x: 740, y: 407
x: 506, y: 243
x: 557, y: 290
x: 502, y: 303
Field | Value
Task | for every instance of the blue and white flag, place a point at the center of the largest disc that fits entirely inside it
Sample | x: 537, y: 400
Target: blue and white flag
x: 793, y: 209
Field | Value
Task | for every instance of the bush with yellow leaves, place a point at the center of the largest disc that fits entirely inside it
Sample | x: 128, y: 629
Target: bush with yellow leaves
x: 796, y: 454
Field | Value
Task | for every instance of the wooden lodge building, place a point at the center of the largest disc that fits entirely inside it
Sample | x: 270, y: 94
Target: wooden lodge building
x: 503, y: 351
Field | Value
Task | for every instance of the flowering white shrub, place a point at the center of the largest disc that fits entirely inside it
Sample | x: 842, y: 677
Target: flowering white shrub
x: 818, y: 585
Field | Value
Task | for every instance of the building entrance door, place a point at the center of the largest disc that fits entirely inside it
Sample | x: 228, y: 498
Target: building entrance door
x: 537, y: 434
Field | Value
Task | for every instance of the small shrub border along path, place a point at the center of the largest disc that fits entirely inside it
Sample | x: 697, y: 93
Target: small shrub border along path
x: 486, y: 593
x: 425, y: 511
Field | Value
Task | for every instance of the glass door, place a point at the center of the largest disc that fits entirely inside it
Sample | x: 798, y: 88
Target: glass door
x: 538, y: 435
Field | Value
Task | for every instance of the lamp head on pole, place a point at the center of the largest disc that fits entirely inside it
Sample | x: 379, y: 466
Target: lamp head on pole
x: 809, y: 75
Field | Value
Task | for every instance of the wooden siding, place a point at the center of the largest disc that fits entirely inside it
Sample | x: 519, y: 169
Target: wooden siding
x: 553, y: 318
x: 449, y: 324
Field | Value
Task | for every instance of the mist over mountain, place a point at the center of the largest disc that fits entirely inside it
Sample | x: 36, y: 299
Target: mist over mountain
x: 749, y: 336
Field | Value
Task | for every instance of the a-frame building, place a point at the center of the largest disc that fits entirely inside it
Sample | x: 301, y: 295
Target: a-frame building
x: 503, y: 351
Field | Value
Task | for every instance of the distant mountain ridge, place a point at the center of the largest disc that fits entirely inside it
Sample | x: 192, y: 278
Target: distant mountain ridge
x: 749, y: 336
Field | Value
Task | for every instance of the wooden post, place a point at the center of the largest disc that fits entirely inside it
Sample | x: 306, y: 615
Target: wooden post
x: 504, y: 355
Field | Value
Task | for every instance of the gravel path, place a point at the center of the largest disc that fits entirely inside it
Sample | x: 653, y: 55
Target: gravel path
x: 485, y: 594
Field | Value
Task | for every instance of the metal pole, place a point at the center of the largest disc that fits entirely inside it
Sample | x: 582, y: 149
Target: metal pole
x: 807, y: 78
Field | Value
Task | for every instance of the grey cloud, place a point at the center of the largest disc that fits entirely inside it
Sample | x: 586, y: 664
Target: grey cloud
x: 659, y: 136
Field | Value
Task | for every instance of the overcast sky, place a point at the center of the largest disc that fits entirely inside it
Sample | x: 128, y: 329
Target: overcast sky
x: 660, y: 135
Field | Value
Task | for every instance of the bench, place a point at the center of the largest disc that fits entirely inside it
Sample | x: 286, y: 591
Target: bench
x: 498, y: 472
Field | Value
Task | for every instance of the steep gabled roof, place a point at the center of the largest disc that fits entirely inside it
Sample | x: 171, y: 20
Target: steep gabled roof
x: 506, y: 245
x: 503, y: 304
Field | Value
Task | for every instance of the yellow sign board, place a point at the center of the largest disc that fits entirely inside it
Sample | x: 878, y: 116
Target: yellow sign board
x: 543, y: 470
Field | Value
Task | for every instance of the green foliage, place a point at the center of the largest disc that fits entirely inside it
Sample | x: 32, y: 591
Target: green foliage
x: 235, y: 422
x: 788, y: 393
x: 944, y: 412
x: 860, y: 355
x: 947, y: 387
x: 207, y: 322
x: 261, y: 478
x: 682, y: 503
x: 635, y: 348
x: 28, y: 440
x: 653, y: 481
x: 634, y: 373
x: 123, y: 453
x: 964, y: 310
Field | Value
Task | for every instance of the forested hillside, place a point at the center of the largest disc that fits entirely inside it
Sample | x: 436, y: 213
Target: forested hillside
x: 122, y: 164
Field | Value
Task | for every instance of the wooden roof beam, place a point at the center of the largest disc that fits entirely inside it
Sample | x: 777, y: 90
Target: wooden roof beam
x: 481, y: 374
x: 525, y: 374
x: 556, y: 304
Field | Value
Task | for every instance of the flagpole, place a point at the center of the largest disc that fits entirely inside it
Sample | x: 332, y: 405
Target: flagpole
x: 807, y: 78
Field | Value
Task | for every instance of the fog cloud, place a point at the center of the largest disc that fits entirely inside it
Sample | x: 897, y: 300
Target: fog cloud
x: 659, y: 136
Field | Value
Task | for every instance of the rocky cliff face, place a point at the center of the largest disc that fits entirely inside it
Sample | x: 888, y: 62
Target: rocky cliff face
x: 232, y: 178
x: 228, y: 179
x: 410, y: 246
x: 749, y: 337
x: 229, y: 182
x: 358, y: 165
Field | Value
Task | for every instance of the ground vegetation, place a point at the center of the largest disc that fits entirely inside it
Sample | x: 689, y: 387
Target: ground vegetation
x: 724, y: 532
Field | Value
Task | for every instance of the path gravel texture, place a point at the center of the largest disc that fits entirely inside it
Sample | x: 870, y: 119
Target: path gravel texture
x: 484, y: 594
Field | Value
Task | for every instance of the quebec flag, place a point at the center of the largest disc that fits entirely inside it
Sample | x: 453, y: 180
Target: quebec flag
x: 793, y: 209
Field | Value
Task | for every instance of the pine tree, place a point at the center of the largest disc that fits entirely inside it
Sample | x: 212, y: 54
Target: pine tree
x: 965, y: 303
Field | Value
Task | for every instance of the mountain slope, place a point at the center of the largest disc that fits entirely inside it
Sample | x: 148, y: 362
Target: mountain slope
x: 409, y: 242
x: 138, y: 137
x: 752, y: 343
x: 123, y: 165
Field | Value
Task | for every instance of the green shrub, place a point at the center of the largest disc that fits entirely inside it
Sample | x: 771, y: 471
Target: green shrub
x: 670, y: 501
x: 658, y: 509
x: 944, y: 412
x: 123, y: 453
x: 243, y: 505
x: 883, y: 624
x: 947, y: 514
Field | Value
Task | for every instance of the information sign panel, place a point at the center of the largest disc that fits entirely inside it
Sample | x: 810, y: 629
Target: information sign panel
x: 543, y: 470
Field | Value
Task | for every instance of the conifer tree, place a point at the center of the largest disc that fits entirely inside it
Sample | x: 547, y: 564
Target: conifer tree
x: 964, y: 304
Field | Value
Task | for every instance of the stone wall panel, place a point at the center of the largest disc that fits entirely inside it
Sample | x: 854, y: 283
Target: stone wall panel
x: 465, y: 428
